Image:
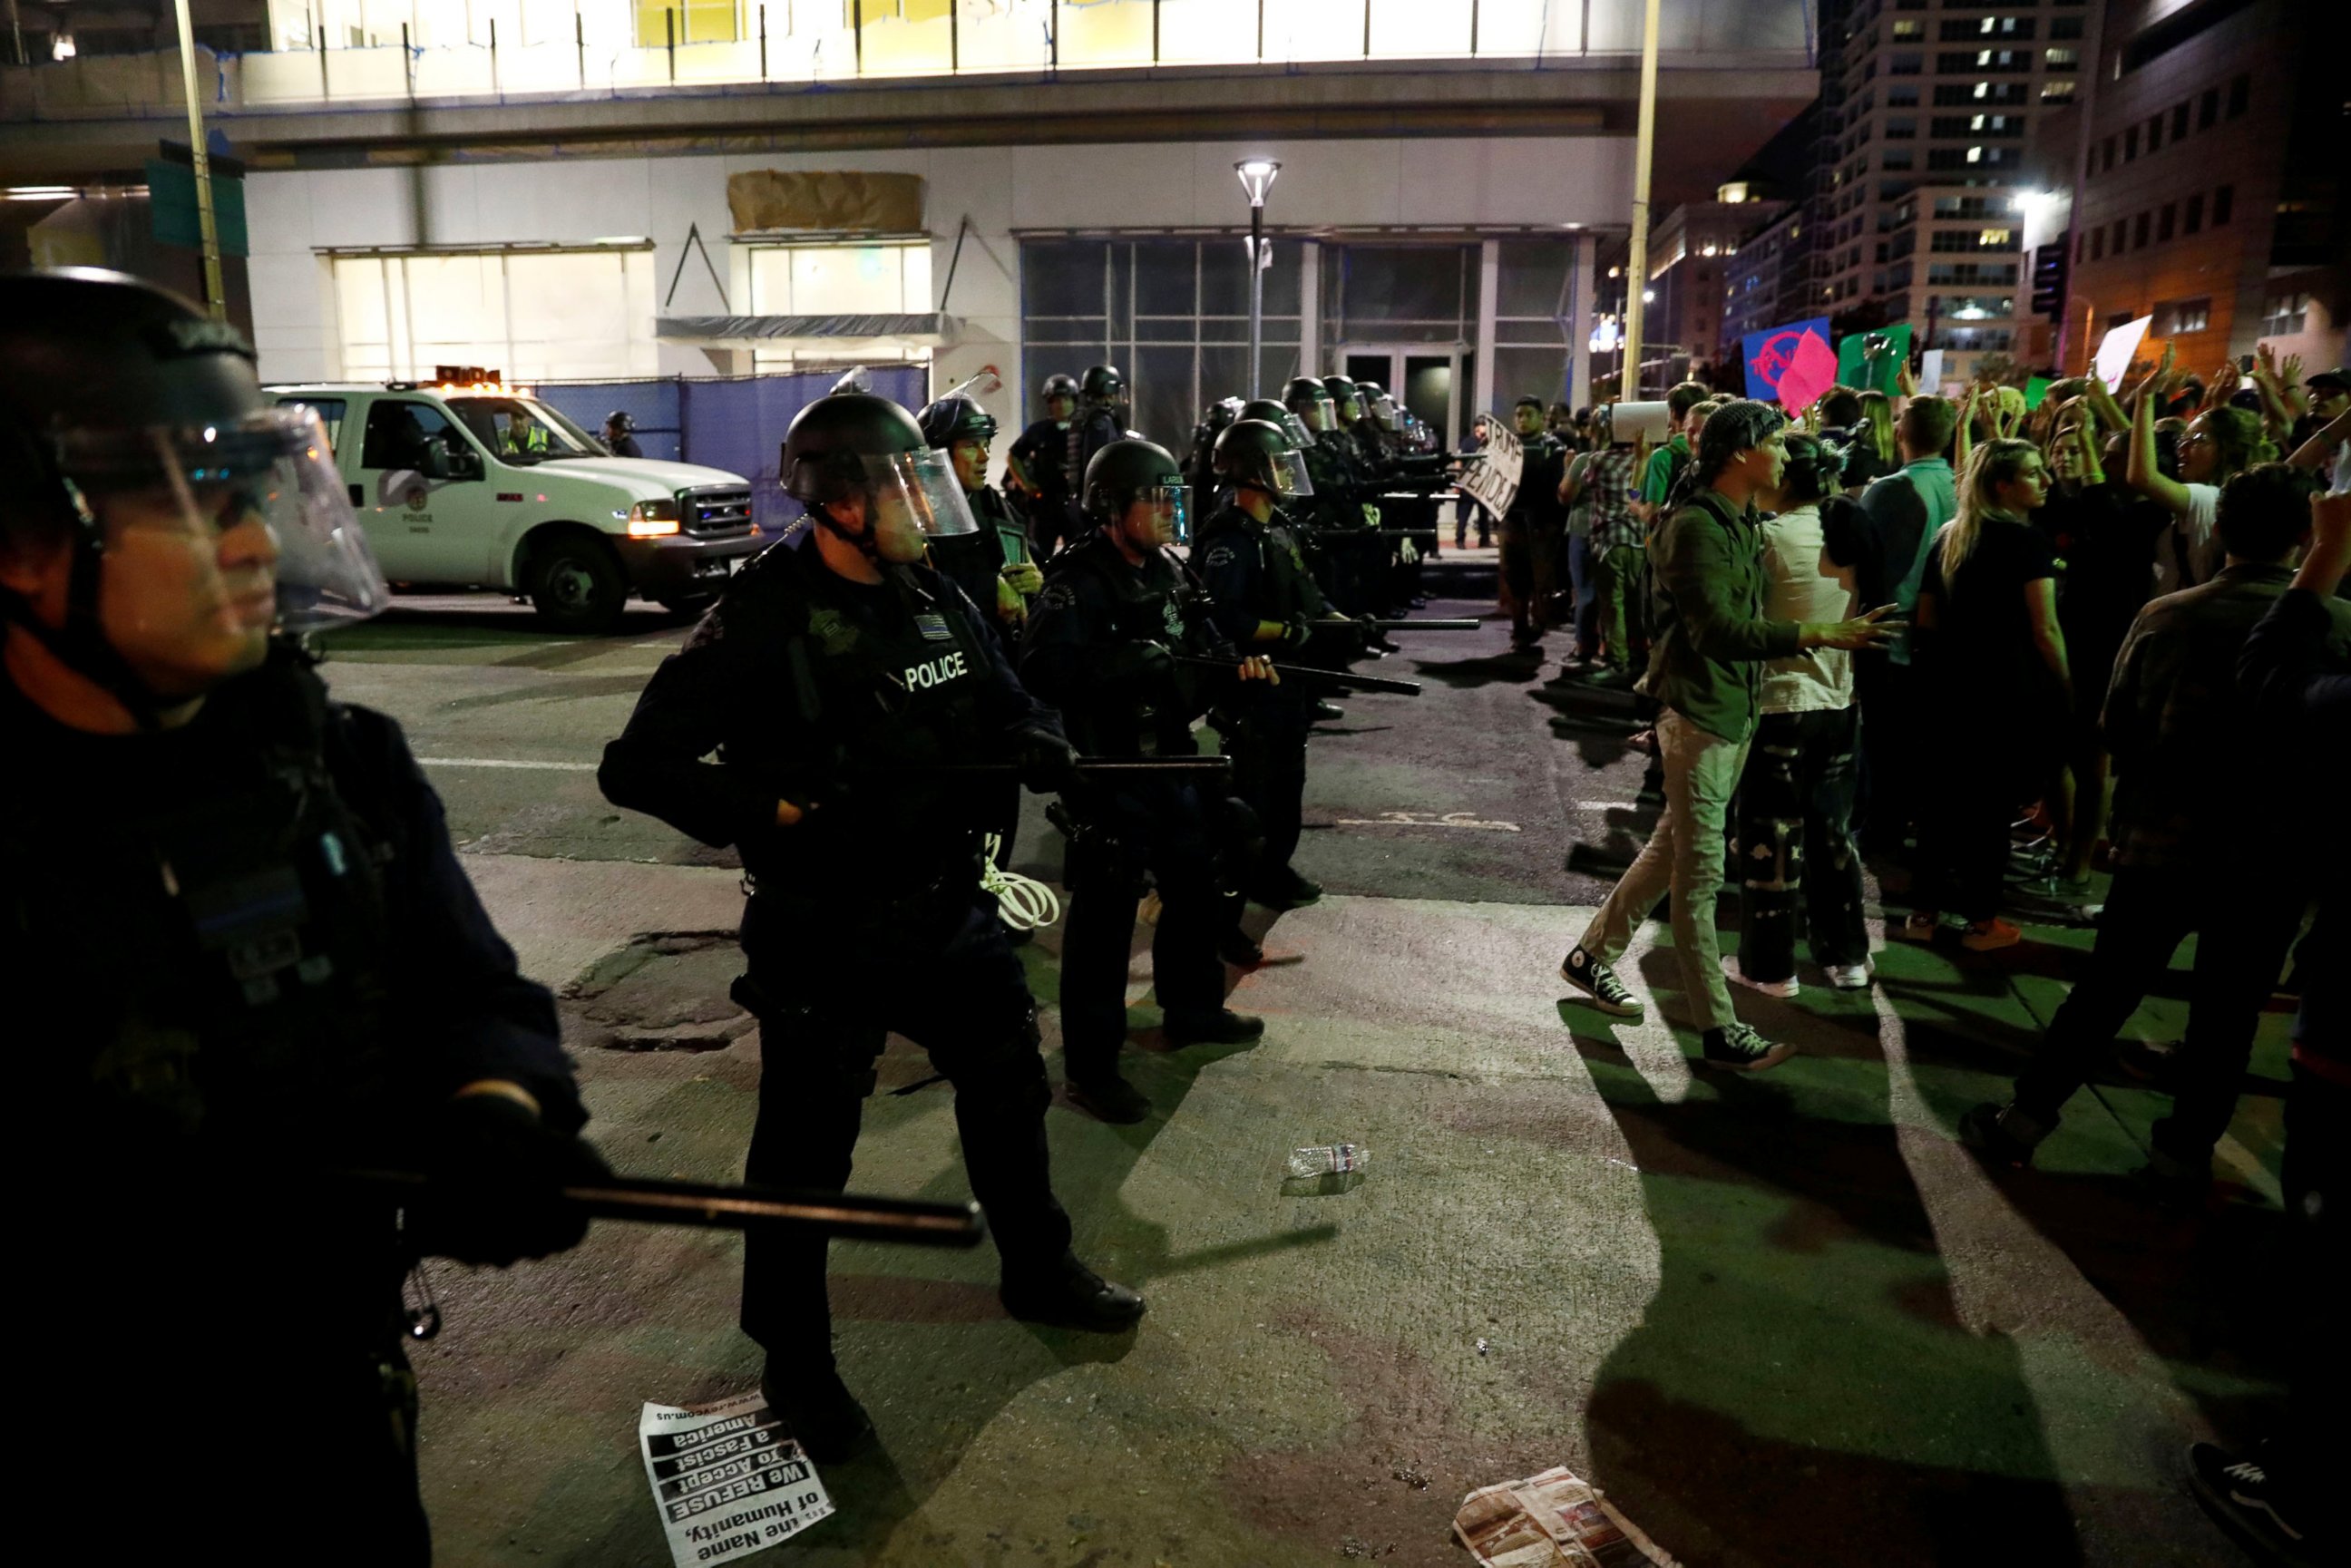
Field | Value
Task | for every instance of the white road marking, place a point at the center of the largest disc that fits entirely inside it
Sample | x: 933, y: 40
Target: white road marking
x: 1427, y: 820
x: 501, y: 762
x: 1606, y: 806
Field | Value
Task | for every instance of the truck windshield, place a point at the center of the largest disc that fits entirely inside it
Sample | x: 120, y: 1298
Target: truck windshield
x: 520, y: 430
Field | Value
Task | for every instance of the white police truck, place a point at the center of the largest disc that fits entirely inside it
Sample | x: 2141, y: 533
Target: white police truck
x: 479, y: 485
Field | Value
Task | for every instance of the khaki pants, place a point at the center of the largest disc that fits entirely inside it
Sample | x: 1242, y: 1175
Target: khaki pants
x: 1683, y: 856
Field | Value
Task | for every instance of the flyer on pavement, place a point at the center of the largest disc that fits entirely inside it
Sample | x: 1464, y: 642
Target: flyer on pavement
x: 728, y: 1479
x: 1555, y: 1519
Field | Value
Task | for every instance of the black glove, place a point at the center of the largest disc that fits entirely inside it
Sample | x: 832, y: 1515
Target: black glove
x: 494, y: 1178
x: 1298, y: 631
x: 1048, y: 764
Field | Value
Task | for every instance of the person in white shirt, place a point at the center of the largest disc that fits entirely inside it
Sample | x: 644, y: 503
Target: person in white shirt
x: 2219, y: 442
x: 1794, y: 843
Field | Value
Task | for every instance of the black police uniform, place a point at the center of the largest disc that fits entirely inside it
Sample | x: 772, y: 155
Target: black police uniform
x: 1254, y: 572
x: 1042, y: 453
x: 240, y: 955
x: 866, y: 917
x: 625, y: 445
x: 1098, y: 650
x: 974, y: 561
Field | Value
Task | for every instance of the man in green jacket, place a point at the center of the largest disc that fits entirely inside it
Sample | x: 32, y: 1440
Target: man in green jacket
x: 1706, y: 667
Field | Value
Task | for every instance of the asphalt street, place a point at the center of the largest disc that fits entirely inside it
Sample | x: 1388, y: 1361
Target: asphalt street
x: 1781, y: 1319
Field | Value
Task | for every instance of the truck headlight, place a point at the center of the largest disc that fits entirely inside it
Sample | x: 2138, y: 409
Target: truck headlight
x: 651, y: 519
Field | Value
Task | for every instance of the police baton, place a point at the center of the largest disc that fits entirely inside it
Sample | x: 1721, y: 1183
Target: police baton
x: 1306, y: 676
x: 708, y: 1205
x: 1433, y: 623
x: 1087, y: 766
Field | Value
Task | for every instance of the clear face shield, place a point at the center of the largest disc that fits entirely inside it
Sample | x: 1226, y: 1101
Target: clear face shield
x: 914, y: 496
x: 1295, y: 427
x: 1289, y: 476
x: 1383, y: 411
x: 1161, y: 514
x: 204, y: 481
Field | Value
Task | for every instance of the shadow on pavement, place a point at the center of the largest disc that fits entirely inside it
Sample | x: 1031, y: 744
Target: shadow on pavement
x: 1753, y: 1417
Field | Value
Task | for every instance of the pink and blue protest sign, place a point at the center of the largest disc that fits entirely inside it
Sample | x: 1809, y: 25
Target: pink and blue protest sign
x: 1767, y: 355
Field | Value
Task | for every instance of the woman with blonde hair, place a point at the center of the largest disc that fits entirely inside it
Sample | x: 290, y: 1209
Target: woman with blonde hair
x: 1874, y: 454
x: 1996, y: 674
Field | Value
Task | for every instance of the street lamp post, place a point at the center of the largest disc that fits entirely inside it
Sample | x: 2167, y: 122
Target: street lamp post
x: 1257, y: 178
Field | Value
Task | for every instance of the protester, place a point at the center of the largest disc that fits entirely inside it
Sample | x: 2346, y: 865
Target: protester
x: 1794, y: 841
x: 1996, y: 679
x: 2192, y: 860
x: 1872, y: 452
x: 1906, y: 510
x: 1599, y: 487
x: 1706, y: 670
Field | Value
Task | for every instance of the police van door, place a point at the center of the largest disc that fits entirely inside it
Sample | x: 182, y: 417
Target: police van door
x: 1426, y: 378
x: 421, y: 477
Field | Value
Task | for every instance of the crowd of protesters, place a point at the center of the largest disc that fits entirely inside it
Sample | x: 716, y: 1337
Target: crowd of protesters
x: 2005, y: 657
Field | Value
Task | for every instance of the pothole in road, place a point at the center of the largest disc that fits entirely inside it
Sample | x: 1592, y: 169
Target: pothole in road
x: 666, y: 990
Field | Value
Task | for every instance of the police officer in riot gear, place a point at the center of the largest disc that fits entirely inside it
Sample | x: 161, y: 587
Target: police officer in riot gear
x: 621, y: 435
x: 831, y: 680
x: 1371, y: 429
x: 1199, y: 464
x: 1101, y: 420
x: 993, y: 564
x: 1266, y: 601
x: 1035, y: 470
x: 237, y: 949
x: 1116, y: 606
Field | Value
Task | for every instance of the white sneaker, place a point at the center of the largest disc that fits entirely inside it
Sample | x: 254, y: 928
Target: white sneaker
x: 1783, y: 988
x: 1851, y: 977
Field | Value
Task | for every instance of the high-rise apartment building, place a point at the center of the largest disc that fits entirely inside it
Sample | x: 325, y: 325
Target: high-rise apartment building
x: 1925, y: 113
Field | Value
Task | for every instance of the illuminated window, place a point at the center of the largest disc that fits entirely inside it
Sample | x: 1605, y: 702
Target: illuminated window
x: 569, y: 315
x: 1993, y: 237
x: 2284, y: 315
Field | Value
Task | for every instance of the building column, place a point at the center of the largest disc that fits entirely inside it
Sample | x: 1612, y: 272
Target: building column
x: 1310, y: 308
x: 1577, y: 319
x: 1489, y: 281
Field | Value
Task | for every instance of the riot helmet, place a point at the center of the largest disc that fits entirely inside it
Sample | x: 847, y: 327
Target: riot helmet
x: 962, y: 429
x: 133, y: 429
x: 1128, y: 472
x: 855, y: 448
x: 1103, y: 388
x: 1258, y: 452
x: 1373, y: 398
x: 1345, y: 398
x: 620, y: 420
x: 1272, y: 413
x: 1218, y: 416
x: 1063, y: 388
x: 1305, y: 397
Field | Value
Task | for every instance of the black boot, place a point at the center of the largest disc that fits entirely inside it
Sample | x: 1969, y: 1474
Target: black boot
x: 818, y: 1407
x: 1067, y: 1293
x: 1223, y: 1027
x: 1112, y: 1098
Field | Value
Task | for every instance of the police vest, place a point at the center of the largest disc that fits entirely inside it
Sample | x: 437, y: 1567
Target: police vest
x: 222, y: 955
x: 1154, y: 605
x: 887, y: 702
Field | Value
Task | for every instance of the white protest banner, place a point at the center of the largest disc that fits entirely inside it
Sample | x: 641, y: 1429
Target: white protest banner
x: 1931, y: 371
x: 1494, y: 483
x: 2118, y: 348
x: 728, y: 1479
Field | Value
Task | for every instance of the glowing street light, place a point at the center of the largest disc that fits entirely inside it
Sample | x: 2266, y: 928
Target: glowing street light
x: 1257, y: 176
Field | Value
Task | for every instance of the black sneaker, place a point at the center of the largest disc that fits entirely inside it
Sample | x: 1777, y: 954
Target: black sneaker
x: 818, y: 1408
x: 1223, y: 1027
x: 2238, y: 1494
x: 1068, y: 1294
x: 1606, y: 992
x: 1742, y: 1048
x: 1113, y: 1099
x: 2002, y: 1135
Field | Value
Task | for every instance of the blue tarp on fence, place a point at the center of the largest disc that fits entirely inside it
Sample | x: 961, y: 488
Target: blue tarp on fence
x: 733, y: 423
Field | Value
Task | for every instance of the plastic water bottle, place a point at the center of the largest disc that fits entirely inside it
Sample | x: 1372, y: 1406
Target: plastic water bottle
x: 1328, y: 1159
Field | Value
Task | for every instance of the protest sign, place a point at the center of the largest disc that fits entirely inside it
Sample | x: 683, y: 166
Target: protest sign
x: 1811, y: 372
x: 728, y: 1479
x: 1494, y: 483
x: 1871, y: 361
x: 2118, y: 349
x: 2035, y: 388
x: 1634, y: 422
x: 1768, y: 354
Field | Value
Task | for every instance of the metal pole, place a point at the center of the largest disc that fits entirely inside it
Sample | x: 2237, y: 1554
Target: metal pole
x: 1155, y: 32
x: 763, y: 43
x: 580, y: 42
x: 1257, y: 289
x: 408, y: 62
x: 1260, y: 30
x: 857, y: 20
x: 494, y: 54
x: 669, y: 25
x: 207, y: 227
x: 1628, y: 384
x: 955, y: 34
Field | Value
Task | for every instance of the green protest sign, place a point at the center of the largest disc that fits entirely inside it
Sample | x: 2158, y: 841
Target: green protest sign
x: 1869, y: 361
